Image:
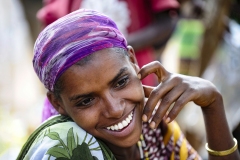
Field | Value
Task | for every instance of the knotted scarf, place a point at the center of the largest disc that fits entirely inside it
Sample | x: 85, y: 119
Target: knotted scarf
x: 71, y: 38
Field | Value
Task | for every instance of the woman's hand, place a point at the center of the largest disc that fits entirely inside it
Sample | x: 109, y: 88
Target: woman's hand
x: 178, y: 90
x: 173, y: 89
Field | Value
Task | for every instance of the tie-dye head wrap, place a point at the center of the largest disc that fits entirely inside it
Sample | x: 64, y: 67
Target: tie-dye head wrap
x: 71, y: 38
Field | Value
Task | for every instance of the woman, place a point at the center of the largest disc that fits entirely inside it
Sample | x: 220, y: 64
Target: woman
x: 94, y: 83
x: 141, y: 24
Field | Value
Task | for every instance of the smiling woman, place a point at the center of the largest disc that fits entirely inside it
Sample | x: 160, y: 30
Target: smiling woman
x: 94, y: 83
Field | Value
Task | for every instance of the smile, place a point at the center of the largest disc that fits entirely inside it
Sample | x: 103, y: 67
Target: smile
x: 122, y: 124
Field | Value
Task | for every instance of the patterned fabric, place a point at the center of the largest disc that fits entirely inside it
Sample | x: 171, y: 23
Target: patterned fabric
x: 167, y: 142
x: 71, y: 38
x: 61, y: 138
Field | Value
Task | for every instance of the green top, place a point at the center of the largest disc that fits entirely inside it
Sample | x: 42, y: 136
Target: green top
x: 61, y: 138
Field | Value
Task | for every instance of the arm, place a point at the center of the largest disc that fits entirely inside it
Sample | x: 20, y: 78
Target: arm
x: 180, y: 89
x: 156, y: 33
x: 219, y: 137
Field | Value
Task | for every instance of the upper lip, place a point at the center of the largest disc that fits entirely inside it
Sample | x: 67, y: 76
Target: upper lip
x: 120, y: 120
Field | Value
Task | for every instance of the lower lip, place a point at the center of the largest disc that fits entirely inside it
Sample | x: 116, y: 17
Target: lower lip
x: 126, y: 130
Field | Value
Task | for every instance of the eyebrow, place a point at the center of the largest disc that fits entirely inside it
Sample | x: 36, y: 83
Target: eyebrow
x: 119, y: 74
x: 76, y: 97
x: 121, y: 71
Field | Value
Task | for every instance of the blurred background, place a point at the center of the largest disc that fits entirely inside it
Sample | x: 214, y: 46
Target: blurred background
x: 196, y: 37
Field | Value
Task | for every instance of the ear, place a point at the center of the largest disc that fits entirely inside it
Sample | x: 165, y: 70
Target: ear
x: 133, y: 58
x: 56, y: 103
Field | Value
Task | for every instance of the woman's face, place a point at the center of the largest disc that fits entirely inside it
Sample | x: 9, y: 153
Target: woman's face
x: 105, y: 97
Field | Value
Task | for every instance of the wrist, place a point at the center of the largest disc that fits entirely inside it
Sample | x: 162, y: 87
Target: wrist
x: 215, y: 106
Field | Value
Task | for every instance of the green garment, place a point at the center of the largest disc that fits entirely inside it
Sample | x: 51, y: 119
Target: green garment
x: 62, y: 139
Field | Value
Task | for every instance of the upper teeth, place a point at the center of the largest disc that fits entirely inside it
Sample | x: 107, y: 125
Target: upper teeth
x: 122, y: 124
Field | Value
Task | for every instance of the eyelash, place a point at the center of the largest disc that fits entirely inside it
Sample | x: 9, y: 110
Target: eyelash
x: 85, y: 99
x: 125, y: 80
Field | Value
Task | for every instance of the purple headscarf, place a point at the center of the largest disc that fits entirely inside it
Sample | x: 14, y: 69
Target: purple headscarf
x: 71, y: 38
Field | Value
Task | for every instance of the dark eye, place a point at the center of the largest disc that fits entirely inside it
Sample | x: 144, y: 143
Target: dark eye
x: 86, y: 102
x: 122, y: 82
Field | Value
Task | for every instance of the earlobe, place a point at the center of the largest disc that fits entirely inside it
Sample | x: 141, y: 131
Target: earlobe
x: 56, y: 103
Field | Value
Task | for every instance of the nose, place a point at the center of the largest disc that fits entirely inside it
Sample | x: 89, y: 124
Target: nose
x: 113, y: 106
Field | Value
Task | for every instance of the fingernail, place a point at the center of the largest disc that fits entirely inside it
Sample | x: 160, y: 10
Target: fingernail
x: 168, y: 120
x: 152, y: 125
x: 139, y: 76
x: 144, y: 118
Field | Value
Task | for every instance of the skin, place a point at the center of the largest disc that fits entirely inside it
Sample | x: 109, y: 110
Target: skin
x: 96, y: 96
x: 105, y: 97
x: 157, y: 33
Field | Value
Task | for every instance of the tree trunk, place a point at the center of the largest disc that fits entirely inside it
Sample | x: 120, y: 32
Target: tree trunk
x: 215, y: 22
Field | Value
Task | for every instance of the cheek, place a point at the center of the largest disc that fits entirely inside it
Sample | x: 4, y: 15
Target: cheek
x: 135, y: 91
x: 87, y: 119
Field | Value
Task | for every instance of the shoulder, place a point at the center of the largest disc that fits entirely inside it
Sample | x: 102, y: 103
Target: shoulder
x: 60, y: 137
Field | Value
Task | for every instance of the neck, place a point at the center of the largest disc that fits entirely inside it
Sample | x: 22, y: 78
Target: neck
x: 129, y: 153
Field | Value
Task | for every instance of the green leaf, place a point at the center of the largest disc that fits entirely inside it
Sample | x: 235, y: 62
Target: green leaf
x: 58, y: 145
x: 95, y: 149
x: 85, y: 137
x: 77, y: 138
x: 70, y: 140
x: 82, y: 152
x: 95, y: 158
x: 58, y: 152
x: 92, y: 143
x: 89, y: 142
x: 53, y: 135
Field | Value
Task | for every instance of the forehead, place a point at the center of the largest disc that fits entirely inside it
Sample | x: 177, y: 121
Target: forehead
x: 99, y: 68
x: 100, y: 56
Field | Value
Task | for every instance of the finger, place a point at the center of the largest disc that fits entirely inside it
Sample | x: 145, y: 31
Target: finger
x: 154, y: 97
x: 153, y: 67
x: 147, y: 90
x: 165, y: 104
x: 179, y: 104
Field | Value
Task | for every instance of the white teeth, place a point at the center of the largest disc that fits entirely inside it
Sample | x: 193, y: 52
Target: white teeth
x: 112, y: 128
x: 115, y: 127
x: 125, y: 123
x: 122, y: 124
x: 130, y: 117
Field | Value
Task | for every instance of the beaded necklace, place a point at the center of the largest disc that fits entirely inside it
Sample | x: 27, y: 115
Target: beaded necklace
x: 142, y: 149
